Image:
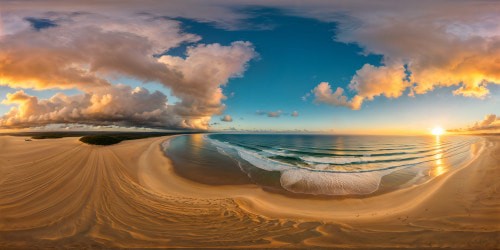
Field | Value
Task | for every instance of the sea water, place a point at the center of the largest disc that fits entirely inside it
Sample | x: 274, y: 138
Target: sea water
x: 330, y: 165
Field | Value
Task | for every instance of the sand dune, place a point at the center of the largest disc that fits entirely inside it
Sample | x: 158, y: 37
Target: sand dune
x: 62, y: 193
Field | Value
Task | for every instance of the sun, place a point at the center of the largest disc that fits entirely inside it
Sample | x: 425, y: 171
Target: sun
x: 437, y: 131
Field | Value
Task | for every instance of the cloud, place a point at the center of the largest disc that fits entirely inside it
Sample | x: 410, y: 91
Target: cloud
x: 87, y: 51
x: 439, y: 48
x: 323, y: 94
x: 424, y: 45
x: 226, y: 118
x: 371, y: 81
x: 118, y: 105
x: 205, y: 69
x: 305, y: 97
x: 274, y: 113
x: 428, y: 44
x: 84, y: 48
x: 221, y: 13
x: 490, y: 122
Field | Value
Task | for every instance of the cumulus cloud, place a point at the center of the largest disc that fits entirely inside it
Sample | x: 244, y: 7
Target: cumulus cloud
x: 490, y: 122
x: 438, y: 44
x: 424, y: 45
x: 323, y: 94
x: 226, y: 118
x: 81, y: 48
x: 439, y: 48
x: 118, y: 105
x: 86, y: 51
x: 205, y: 69
x: 368, y: 82
x: 371, y: 81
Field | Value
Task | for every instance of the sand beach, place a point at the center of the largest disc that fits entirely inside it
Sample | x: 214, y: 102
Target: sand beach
x: 63, y: 193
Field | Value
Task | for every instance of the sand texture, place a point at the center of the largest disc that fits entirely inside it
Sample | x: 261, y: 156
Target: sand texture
x: 62, y: 193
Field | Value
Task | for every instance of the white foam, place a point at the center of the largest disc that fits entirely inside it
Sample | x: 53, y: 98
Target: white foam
x: 328, y: 183
x: 253, y: 158
x: 222, y: 151
x: 277, y: 152
x: 299, y: 180
x: 219, y: 143
x: 262, y: 162
x: 334, y: 160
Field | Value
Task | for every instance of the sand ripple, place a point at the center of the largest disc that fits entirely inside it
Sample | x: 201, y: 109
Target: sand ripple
x: 62, y: 193
x: 85, y: 196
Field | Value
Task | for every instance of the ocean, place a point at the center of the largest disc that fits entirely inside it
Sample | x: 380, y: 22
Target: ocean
x: 318, y: 165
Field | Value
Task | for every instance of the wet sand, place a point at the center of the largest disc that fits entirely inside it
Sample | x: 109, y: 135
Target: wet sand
x: 62, y: 193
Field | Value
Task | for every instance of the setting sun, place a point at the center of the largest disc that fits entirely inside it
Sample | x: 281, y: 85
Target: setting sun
x: 437, y: 131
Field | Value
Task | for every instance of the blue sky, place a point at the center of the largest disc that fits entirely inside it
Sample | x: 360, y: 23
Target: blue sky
x: 291, y: 50
x: 295, y: 54
x: 286, y: 69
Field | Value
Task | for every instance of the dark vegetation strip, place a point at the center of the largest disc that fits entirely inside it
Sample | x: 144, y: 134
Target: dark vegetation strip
x: 99, y: 138
x: 110, y: 139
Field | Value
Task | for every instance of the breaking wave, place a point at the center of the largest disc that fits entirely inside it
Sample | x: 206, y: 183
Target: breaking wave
x: 354, y: 170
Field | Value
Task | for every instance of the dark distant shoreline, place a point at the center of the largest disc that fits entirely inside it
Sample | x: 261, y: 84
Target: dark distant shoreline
x: 98, y: 137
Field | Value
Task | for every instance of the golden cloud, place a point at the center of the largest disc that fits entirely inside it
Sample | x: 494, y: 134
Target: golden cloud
x: 490, y: 122
x: 85, y: 51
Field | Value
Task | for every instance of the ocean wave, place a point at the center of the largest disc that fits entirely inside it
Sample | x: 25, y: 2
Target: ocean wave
x: 222, y: 151
x: 278, y: 152
x: 323, y: 183
x: 334, y: 160
x: 252, y: 157
x: 262, y: 162
x: 336, y: 175
x: 300, y: 180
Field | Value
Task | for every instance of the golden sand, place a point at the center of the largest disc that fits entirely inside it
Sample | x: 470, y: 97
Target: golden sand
x: 62, y: 193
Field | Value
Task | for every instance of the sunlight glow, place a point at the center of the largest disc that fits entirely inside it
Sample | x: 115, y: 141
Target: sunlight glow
x: 437, y: 131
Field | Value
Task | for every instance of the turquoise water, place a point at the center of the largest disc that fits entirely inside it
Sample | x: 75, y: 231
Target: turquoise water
x: 318, y: 164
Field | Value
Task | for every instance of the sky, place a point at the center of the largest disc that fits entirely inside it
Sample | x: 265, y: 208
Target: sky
x: 348, y: 67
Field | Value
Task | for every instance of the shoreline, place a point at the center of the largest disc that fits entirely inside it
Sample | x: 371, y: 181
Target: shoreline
x: 127, y: 195
x: 381, y: 190
x: 256, y: 200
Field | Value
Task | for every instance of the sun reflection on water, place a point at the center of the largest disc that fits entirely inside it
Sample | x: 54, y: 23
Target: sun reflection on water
x: 197, y: 142
x: 439, y: 167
